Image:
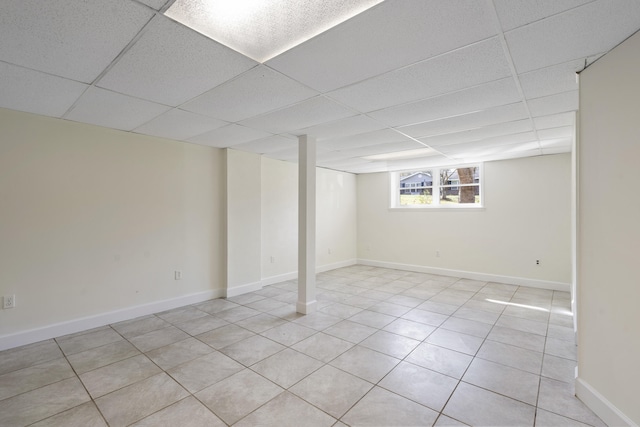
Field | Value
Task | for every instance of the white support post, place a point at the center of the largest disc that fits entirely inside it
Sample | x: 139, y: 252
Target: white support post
x: 306, y: 225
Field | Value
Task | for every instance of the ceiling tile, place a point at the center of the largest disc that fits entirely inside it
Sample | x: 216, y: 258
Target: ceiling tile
x: 257, y: 91
x: 560, y: 103
x: 370, y: 150
x: 269, y: 144
x: 302, y: 115
x: 72, y: 39
x: 555, y: 133
x: 503, y: 113
x: 554, y: 120
x: 490, y: 142
x: 490, y: 131
x: 369, y: 138
x: 171, y: 64
x: 515, y: 13
x: 481, y: 97
x: 113, y: 110
x: 34, y: 92
x: 407, y: 164
x: 396, y: 30
x: 228, y: 136
x: 466, y: 67
x: 551, y: 80
x: 178, y: 124
x: 343, y: 127
x: 576, y: 34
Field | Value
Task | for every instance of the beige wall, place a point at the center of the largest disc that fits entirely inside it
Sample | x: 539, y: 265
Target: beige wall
x: 94, y: 220
x: 527, y: 216
x: 609, y: 236
x: 335, y: 218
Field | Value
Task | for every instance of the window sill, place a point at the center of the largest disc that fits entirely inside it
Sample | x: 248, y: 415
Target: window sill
x: 436, y: 208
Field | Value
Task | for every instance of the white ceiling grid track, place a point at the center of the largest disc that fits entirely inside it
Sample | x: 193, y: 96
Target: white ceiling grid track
x: 404, y: 84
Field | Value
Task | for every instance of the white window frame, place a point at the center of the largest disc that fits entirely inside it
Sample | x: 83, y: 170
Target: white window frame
x: 436, y: 185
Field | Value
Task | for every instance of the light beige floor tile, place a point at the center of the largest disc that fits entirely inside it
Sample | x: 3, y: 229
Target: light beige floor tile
x: 350, y: 331
x: 510, y: 382
x: 28, y: 355
x: 137, y: 401
x: 287, y: 410
x: 246, y: 298
x: 288, y: 312
x: 365, y: 363
x: 101, y: 356
x: 516, y: 357
x: 426, y: 317
x: 524, y: 325
x: 483, y: 302
x: 78, y: 343
x: 482, y: 316
x: 289, y: 333
x: 117, y: 375
x: 517, y: 338
x: 41, y: 403
x: 468, y: 285
x: 81, y: 416
x: 561, y: 332
x: 437, y: 307
x: 332, y: 390
x: 444, y: 421
x: 287, y: 367
x: 185, y: 413
x: 383, y: 408
x: 549, y: 419
x: 525, y: 311
x: 201, y: 325
x: 386, y: 307
x: 323, y: 347
x: 252, y: 350
x: 410, y: 329
x: 224, y: 336
x: 391, y: 344
x: 478, y: 407
x: 421, y: 385
x: 561, y: 348
x: 439, y: 359
x: 233, y: 398
x: 181, y: 314
x: 469, y: 327
x: 34, y: 377
x: 561, y: 319
x: 340, y: 310
x: 216, y: 305
x: 237, y: 314
x: 361, y: 301
x: 558, y: 368
x: 261, y: 322
x: 405, y: 300
x: 266, y: 304
x: 158, y: 338
x: 178, y: 353
x: 559, y: 397
x: 372, y: 319
x: 139, y: 326
x: 456, y: 341
x: 318, y: 321
x: 205, y: 371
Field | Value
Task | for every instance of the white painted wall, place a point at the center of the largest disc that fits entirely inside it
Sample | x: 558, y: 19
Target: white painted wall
x: 94, y: 220
x: 609, y: 236
x: 527, y: 216
x: 335, y: 220
x: 243, y: 221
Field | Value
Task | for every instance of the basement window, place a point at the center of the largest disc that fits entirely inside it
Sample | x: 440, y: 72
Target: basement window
x: 439, y: 187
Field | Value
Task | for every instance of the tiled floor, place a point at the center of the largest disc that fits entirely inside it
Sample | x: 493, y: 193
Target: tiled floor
x: 386, y: 347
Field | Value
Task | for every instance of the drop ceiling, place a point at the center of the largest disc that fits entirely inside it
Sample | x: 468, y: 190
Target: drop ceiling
x: 472, y: 80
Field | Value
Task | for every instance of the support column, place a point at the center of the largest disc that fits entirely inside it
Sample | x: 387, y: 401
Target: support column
x: 306, y: 225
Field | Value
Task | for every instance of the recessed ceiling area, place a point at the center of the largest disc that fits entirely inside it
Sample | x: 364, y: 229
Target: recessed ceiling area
x: 399, y: 84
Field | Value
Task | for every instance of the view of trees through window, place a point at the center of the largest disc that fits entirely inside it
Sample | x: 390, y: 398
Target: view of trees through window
x: 440, y: 186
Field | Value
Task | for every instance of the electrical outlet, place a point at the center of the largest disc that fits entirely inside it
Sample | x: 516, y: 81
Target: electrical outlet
x: 9, y: 301
x: 537, y: 262
x: 177, y: 275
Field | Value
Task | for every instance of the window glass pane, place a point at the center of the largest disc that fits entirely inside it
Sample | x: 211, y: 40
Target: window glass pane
x: 416, y: 188
x: 459, y: 194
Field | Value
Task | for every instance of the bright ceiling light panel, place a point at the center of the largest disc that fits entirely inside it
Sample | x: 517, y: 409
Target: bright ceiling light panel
x: 263, y: 29
x: 406, y: 154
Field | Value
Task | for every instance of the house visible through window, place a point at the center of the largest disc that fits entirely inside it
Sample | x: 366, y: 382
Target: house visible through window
x: 437, y: 187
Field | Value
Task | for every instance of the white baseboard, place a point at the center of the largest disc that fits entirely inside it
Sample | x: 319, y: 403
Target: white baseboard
x: 521, y: 281
x: 243, y: 289
x: 607, y: 412
x: 90, y: 322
